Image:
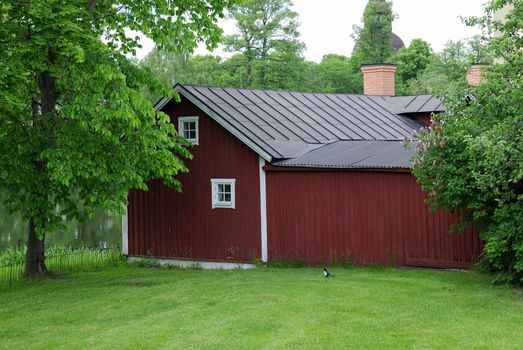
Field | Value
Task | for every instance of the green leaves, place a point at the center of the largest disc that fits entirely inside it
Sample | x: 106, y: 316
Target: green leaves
x: 73, y: 118
x: 421, y: 71
x: 471, y: 160
x: 374, y: 39
x: 267, y: 38
x: 336, y: 73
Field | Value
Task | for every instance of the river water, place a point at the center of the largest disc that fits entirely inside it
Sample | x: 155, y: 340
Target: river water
x: 99, y: 231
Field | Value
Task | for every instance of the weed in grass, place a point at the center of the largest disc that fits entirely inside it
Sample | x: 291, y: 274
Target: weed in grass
x: 281, y: 263
x: 148, y: 262
x: 344, y: 262
x: 258, y: 263
x: 298, y: 264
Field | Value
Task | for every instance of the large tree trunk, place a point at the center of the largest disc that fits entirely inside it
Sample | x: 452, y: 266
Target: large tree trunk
x: 35, y: 258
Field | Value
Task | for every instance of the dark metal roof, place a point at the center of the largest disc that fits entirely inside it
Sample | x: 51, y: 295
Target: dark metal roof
x: 282, y: 124
x: 415, y: 104
x: 315, y: 129
x: 355, y: 154
x: 397, y: 42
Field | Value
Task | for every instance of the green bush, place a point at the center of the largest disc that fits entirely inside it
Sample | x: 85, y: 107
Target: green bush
x: 13, y: 256
x: 470, y: 161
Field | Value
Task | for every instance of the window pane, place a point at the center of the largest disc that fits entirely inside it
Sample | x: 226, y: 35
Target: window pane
x: 189, y: 130
x: 224, y: 193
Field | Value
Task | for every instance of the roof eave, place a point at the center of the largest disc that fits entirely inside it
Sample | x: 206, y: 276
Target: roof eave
x: 161, y: 103
x: 293, y: 168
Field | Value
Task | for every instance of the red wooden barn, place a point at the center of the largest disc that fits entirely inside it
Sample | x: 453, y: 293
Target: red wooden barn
x: 291, y: 176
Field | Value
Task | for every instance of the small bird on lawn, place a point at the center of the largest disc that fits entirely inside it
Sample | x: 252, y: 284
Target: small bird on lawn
x: 327, y: 274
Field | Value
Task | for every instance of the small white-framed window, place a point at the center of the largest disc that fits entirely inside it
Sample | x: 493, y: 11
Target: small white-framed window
x: 188, y: 129
x: 223, y: 193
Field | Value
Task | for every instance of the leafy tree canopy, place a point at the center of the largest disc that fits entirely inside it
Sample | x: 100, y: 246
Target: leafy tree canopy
x: 267, y: 35
x: 339, y: 74
x: 421, y: 71
x: 471, y: 160
x: 73, y: 119
x: 174, y: 67
x: 411, y: 62
x: 374, y: 39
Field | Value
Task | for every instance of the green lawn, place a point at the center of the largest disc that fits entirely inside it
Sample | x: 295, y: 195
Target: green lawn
x: 139, y: 308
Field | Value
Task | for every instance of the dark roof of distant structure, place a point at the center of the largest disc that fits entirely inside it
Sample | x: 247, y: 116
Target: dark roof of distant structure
x: 396, y: 41
x: 300, y: 128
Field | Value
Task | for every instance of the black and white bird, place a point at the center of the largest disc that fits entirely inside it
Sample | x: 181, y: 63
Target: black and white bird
x: 327, y: 274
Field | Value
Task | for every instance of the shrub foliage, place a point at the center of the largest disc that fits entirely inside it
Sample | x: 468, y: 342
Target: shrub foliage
x: 471, y: 159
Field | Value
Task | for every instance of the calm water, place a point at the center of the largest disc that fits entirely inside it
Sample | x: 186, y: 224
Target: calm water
x: 104, y: 228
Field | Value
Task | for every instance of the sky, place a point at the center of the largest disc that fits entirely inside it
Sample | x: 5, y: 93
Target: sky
x: 326, y: 25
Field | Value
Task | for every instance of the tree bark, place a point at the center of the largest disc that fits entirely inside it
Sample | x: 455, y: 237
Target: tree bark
x: 35, y: 258
x: 42, y: 122
x: 250, y: 62
x: 91, y: 5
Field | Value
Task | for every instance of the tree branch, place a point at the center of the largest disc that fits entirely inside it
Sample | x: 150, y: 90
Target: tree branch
x: 91, y: 5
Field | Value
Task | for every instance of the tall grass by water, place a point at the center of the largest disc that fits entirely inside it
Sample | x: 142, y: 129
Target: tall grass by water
x: 59, y: 259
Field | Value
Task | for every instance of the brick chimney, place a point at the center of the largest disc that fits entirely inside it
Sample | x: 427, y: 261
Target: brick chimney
x: 378, y: 79
x: 475, y: 75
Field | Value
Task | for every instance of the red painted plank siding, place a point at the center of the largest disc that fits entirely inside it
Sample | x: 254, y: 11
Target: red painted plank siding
x: 165, y: 223
x: 425, y: 118
x: 365, y: 217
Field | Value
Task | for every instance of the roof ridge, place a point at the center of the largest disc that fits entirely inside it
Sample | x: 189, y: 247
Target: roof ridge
x: 295, y: 91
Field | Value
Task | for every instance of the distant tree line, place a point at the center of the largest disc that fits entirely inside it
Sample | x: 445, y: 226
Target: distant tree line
x: 267, y: 53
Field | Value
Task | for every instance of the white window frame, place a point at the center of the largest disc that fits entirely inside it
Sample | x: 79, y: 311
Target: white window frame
x: 214, y: 193
x: 194, y: 119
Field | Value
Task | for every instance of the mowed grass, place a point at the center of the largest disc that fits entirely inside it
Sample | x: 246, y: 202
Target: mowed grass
x: 360, y: 308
